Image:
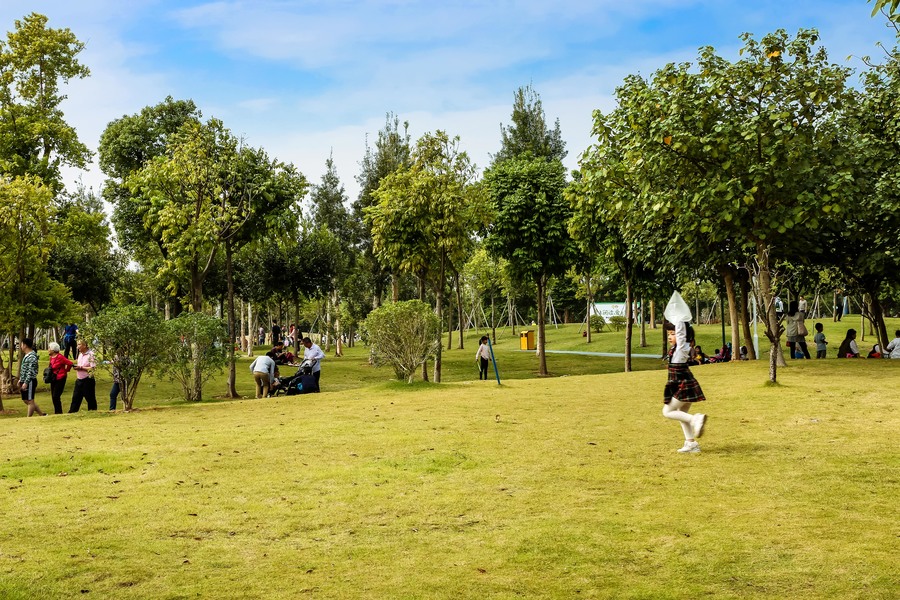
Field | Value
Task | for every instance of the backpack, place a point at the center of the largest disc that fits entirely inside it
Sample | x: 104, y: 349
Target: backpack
x: 49, y: 375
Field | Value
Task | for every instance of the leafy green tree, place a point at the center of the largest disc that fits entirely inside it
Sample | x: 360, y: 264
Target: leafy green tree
x: 426, y: 216
x: 528, y: 133
x: 130, y: 341
x: 29, y: 298
x: 483, y: 275
x: 82, y: 257
x: 404, y: 335
x: 34, y: 136
x: 529, y: 229
x: 127, y: 145
x: 744, y: 153
x: 392, y: 152
x: 192, y: 339
x: 330, y: 213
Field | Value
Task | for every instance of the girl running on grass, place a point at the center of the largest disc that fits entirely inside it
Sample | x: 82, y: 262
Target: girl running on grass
x: 681, y: 388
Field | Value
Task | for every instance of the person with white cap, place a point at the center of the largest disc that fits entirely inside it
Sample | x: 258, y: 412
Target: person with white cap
x: 682, y: 389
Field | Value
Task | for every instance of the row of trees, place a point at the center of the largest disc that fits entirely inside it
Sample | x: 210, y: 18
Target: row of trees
x: 766, y: 173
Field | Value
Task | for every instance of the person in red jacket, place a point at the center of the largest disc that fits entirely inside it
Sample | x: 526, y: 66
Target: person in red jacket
x: 60, y: 365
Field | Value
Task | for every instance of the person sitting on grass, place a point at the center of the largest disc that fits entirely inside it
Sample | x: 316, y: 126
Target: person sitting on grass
x: 875, y: 352
x: 892, y: 350
x: 848, y: 348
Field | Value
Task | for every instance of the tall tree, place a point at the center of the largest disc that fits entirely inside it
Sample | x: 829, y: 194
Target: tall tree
x: 127, y: 145
x: 427, y: 214
x: 391, y: 152
x: 34, y: 136
x: 528, y: 132
x: 529, y: 228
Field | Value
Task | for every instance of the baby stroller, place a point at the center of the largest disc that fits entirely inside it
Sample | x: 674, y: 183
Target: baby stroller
x: 301, y: 382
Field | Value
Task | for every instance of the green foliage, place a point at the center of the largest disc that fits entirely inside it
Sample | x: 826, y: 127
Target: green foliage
x: 403, y: 335
x: 196, y: 349
x: 34, y: 137
x: 617, y: 322
x: 28, y: 296
x: 528, y: 132
x: 129, y: 340
x: 597, y: 323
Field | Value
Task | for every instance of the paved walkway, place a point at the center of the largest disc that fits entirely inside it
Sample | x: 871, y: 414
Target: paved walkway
x: 607, y: 354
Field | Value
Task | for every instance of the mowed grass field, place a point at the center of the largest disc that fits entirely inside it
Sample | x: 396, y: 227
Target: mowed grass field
x: 560, y: 487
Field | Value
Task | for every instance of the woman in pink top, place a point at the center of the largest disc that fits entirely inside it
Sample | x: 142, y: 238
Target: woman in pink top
x: 85, y: 386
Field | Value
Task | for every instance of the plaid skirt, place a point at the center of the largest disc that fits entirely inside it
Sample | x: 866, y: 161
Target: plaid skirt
x: 681, y: 385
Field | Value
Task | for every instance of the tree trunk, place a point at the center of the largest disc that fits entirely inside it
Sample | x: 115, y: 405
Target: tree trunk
x: 745, y: 313
x: 395, y: 288
x: 629, y: 326
x: 439, y: 310
x: 590, y: 305
x: 728, y: 274
x: 643, y: 323
x: 493, y: 321
x: 542, y: 309
x: 459, y: 311
x: 652, y: 314
x: 450, y: 323
x: 876, y: 313
x: 773, y: 328
x: 231, y: 392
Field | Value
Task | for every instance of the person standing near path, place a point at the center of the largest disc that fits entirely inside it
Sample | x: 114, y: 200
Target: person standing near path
x: 28, y: 370
x: 263, y: 369
x: 313, y: 354
x: 85, y: 384
x: 482, y: 356
x: 60, y: 365
x: 276, y: 333
x: 682, y: 389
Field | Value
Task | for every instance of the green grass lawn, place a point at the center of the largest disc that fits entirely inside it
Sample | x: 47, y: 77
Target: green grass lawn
x: 562, y: 487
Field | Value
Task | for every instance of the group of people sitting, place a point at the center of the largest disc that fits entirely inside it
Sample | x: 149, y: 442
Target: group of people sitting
x: 849, y: 348
x: 265, y: 368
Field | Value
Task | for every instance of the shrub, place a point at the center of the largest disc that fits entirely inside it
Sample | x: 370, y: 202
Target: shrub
x: 597, y: 323
x: 618, y: 322
x: 196, y: 349
x: 403, y: 335
x: 129, y: 340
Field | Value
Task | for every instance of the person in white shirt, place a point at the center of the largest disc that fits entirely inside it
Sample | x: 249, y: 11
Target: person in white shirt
x: 314, y: 355
x: 682, y: 389
x: 801, y: 305
x: 263, y: 369
x: 482, y: 358
x: 892, y: 350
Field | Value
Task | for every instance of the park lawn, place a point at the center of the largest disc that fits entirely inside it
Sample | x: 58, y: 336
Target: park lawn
x: 544, y: 488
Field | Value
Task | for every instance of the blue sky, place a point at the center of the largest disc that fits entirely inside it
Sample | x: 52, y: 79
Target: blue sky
x: 304, y: 79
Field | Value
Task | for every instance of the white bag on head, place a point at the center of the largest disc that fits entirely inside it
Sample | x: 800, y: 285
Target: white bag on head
x: 677, y: 309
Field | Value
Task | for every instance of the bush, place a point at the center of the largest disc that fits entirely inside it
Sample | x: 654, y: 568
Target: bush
x: 403, y: 335
x: 618, y: 322
x: 129, y: 340
x: 597, y: 323
x: 196, y: 349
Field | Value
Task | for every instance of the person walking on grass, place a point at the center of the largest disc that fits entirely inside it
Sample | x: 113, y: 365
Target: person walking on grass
x: 482, y: 356
x: 60, y: 365
x: 28, y: 370
x: 682, y: 389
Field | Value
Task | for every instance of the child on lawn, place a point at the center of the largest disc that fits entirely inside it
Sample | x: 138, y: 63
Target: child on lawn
x: 681, y: 388
x: 819, y: 339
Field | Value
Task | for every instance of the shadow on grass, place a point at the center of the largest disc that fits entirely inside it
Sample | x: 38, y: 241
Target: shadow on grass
x: 742, y: 448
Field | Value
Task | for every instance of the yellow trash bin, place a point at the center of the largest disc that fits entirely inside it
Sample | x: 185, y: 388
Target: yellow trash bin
x: 526, y: 340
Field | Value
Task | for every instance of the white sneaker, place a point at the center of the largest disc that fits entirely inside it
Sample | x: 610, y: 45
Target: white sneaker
x: 690, y: 447
x: 698, y: 424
